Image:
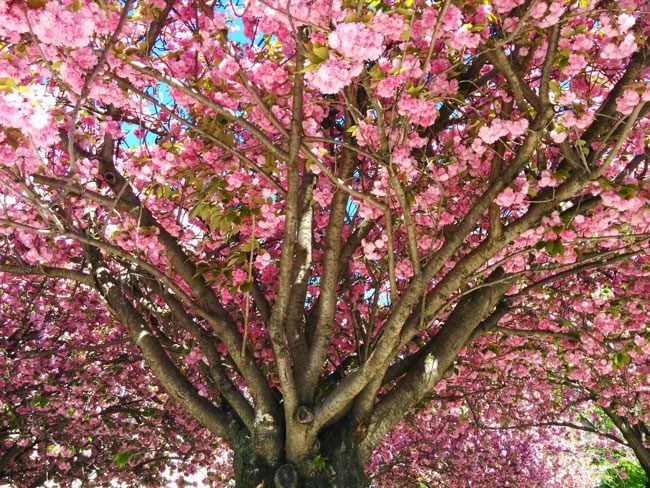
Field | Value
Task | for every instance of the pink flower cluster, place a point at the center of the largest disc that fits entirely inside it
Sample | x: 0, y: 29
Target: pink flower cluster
x: 513, y: 196
x: 502, y: 128
x: 391, y: 26
x: 626, y: 102
x: 619, y: 51
x: 356, y: 41
x: 422, y: 112
x: 269, y: 75
x: 28, y: 109
x: 333, y: 74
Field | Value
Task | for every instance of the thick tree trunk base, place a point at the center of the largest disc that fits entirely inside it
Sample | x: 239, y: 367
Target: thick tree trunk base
x: 335, y: 465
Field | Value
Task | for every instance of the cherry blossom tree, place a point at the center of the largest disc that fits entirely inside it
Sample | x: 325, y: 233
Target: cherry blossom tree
x: 490, y: 395
x: 434, y: 447
x: 66, y: 391
x: 282, y: 227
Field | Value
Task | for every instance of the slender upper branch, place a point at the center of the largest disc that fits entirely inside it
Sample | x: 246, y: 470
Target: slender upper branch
x: 270, y: 145
x: 283, y: 296
x: 324, y: 318
x: 49, y: 271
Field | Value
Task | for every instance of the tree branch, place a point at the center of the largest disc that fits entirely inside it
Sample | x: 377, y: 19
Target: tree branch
x: 325, y: 310
x: 440, y: 354
x: 206, y: 300
x: 49, y: 271
x: 270, y: 145
x: 165, y: 370
x: 283, y: 296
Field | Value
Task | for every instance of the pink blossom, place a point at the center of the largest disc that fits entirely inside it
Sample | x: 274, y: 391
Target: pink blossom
x: 228, y: 67
x: 505, y: 6
x: 491, y: 133
x: 621, y: 51
x: 463, y: 38
x: 370, y: 250
x: 356, y: 41
x: 387, y: 87
x: 626, y: 102
x: 625, y: 22
x: 577, y: 63
x: 262, y: 261
x: 547, y: 180
x: 508, y: 198
x: 391, y: 26
x: 407, y: 164
x: 499, y: 128
x: 333, y: 75
x: 269, y: 75
x: 517, y: 127
x: 553, y: 15
x: 422, y: 112
x: 239, y: 276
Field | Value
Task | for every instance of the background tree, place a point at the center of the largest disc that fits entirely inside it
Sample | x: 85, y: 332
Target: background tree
x: 303, y: 222
x: 78, y: 402
x: 555, y: 386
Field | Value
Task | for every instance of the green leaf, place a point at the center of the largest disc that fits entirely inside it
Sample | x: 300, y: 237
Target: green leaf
x: 408, y: 13
x: 215, y: 220
x: 376, y: 72
x: 34, y: 4
x: 249, y: 246
x: 121, y: 459
x: 53, y: 448
x: 561, y: 175
x: 224, y: 226
x: 321, y: 52
x: 621, y: 359
x: 196, y: 211
x: 8, y: 82
x: 415, y: 90
x: 627, y: 191
x: 554, y: 248
x: 310, y: 67
x: 40, y: 401
x: 318, y: 463
x: 554, y: 86
x: 582, y: 144
x: 75, y: 6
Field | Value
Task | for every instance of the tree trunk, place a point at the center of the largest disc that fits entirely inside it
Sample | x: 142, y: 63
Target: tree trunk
x: 251, y: 469
x: 633, y: 435
x: 334, y: 464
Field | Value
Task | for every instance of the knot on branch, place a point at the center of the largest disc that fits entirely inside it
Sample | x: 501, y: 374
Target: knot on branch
x: 304, y: 414
x: 110, y: 177
x: 286, y: 477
